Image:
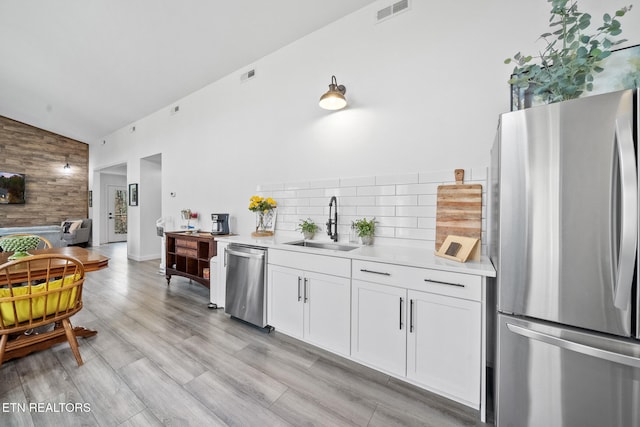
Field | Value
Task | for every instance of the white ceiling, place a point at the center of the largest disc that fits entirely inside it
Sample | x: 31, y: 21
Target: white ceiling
x: 85, y: 68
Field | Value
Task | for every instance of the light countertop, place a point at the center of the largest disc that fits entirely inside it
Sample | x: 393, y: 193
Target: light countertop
x: 401, y: 255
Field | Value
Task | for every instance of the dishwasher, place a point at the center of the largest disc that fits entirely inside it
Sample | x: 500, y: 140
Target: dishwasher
x: 246, y: 283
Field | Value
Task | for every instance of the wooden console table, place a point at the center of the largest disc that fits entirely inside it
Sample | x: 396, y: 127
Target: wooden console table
x: 188, y: 255
x: 23, y: 345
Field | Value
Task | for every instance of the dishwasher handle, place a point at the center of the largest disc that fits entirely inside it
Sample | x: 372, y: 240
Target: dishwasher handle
x: 245, y: 254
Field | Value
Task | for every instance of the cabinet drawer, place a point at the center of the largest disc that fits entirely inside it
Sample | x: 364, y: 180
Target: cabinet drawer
x: 187, y: 252
x: 193, y: 244
x: 420, y: 279
x: 311, y: 262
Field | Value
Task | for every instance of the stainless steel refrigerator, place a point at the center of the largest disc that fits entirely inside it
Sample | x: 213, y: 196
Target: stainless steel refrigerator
x: 563, y: 238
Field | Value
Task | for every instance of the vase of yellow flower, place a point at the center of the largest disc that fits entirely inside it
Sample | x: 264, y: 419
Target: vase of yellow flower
x: 265, y: 209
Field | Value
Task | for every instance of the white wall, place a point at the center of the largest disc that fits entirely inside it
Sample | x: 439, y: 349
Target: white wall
x: 150, y: 205
x: 424, y: 89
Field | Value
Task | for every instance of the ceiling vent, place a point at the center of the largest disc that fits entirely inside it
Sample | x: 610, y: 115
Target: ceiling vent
x: 248, y: 75
x: 392, y: 10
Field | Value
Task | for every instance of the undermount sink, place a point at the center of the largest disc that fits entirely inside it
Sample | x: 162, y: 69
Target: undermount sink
x: 322, y: 245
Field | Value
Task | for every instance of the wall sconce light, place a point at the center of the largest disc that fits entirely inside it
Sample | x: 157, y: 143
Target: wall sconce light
x: 66, y: 168
x: 334, y: 98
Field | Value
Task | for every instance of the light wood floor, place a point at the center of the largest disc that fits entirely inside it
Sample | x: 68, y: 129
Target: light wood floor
x: 161, y: 357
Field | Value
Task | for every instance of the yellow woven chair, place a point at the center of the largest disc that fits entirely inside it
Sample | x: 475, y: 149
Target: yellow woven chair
x: 44, y: 242
x: 36, y: 291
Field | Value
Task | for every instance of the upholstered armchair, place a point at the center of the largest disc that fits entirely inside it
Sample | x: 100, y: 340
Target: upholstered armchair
x: 76, y: 232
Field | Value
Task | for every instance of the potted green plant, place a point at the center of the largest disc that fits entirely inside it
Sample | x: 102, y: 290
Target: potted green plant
x: 565, y: 68
x: 308, y: 228
x: 365, y: 229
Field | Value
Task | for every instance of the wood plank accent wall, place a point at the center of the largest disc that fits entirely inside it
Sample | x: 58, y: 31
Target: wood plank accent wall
x: 51, y: 194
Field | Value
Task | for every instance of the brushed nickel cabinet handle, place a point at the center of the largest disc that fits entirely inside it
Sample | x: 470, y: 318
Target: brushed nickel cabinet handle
x: 364, y: 270
x: 460, y: 285
x: 411, y: 315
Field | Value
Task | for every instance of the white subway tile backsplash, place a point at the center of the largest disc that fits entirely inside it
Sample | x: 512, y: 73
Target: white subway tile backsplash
x: 301, y: 201
x: 357, y: 201
x: 416, y: 233
x: 347, y: 210
x: 312, y: 192
x: 377, y: 190
x: 427, y: 222
x: 310, y: 210
x: 410, y: 200
x: 398, y: 221
x: 428, y: 199
x: 376, y: 211
x: 319, y: 201
x: 340, y: 192
x: 385, y: 231
x: 280, y: 194
x: 416, y: 211
x: 404, y: 205
x: 421, y: 189
x: 296, y: 185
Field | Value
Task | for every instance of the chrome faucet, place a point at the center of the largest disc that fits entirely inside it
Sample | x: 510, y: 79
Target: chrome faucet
x: 332, y: 224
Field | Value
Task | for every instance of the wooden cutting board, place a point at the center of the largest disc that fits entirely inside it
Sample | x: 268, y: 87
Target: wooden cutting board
x: 459, y: 210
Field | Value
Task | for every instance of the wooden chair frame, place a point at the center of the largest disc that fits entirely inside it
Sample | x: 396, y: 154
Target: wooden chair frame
x: 51, y: 281
x: 46, y: 243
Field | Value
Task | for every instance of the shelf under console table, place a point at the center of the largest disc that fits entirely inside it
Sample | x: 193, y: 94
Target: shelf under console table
x: 188, y: 255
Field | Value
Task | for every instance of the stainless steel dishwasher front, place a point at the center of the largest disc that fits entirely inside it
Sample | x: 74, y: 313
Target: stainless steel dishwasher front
x: 246, y: 283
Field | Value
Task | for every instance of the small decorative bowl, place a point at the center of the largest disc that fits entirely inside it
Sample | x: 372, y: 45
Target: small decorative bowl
x: 19, y: 245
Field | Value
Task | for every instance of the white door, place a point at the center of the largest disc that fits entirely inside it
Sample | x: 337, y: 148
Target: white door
x: 444, y: 345
x: 327, y: 319
x: 285, y: 289
x: 117, y: 214
x: 379, y: 335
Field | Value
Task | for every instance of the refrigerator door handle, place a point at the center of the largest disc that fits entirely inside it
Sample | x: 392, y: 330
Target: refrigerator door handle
x: 629, y: 214
x: 566, y: 344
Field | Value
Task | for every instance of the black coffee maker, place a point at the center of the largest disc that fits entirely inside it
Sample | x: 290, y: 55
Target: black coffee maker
x: 219, y: 223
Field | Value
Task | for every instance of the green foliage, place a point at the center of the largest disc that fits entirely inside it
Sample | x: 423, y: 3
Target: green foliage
x: 307, y: 226
x: 566, y: 66
x: 364, y: 227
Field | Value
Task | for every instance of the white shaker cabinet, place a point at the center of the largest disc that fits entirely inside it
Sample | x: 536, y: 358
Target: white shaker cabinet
x: 443, y: 344
x: 379, y: 326
x: 309, y: 305
x: 421, y: 324
x: 284, y: 300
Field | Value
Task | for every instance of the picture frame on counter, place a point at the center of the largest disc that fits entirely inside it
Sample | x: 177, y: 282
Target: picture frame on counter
x: 460, y: 248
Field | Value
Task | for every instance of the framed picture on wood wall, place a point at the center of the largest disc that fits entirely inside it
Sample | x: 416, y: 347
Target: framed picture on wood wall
x: 133, y: 194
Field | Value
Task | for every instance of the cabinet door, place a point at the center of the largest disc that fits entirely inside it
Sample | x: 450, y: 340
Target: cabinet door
x: 379, y: 326
x: 443, y: 345
x: 284, y: 296
x: 327, y: 311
